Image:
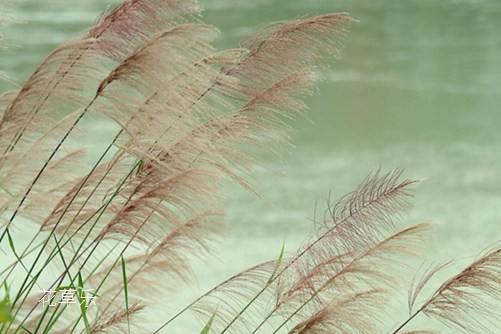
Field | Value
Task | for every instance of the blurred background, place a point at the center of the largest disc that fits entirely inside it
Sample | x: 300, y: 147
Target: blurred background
x: 418, y: 87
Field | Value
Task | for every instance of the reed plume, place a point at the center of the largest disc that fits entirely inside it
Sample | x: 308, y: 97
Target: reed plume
x: 183, y: 110
x: 467, y: 301
x: 337, y: 267
x: 187, y: 118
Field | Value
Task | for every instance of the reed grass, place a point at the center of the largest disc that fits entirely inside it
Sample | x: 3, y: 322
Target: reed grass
x: 191, y: 118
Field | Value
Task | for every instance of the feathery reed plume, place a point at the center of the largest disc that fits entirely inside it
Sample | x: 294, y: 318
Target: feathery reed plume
x: 73, y: 71
x: 467, y: 301
x: 210, y: 129
x: 188, y: 118
x: 118, y: 37
x: 375, y: 268
x: 363, y: 214
x: 68, y: 78
x: 117, y: 320
x: 354, y: 314
x: 421, y: 283
x: 183, y: 110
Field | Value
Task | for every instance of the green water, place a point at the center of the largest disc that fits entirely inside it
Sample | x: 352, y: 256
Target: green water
x: 418, y: 87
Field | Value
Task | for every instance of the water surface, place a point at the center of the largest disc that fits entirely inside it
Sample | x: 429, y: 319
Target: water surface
x: 417, y: 88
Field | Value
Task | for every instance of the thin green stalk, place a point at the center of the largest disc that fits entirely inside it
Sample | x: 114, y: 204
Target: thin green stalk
x: 43, y: 102
x: 294, y: 260
x: 100, y: 159
x: 407, y: 321
x: 180, y: 116
x: 73, y: 198
x: 101, y: 209
x: 328, y: 282
x: 43, y: 245
x: 64, y: 212
x: 39, y: 324
x: 78, y: 254
x: 113, y: 264
x: 270, y: 281
x: 60, y: 79
x: 83, y: 303
x: 62, y: 275
x: 45, y: 165
x: 18, y: 258
x: 51, y: 256
x: 163, y: 134
x: 53, y: 320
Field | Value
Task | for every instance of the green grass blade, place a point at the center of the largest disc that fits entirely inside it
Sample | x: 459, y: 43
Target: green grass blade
x: 11, y: 243
x: 83, y: 302
x: 277, y: 265
x: 5, y: 313
x: 208, y: 326
x: 26, y: 330
x: 126, y: 293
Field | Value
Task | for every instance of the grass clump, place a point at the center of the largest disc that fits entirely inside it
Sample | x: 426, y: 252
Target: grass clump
x: 188, y: 119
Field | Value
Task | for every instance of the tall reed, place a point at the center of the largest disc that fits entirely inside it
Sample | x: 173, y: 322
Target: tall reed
x: 189, y: 118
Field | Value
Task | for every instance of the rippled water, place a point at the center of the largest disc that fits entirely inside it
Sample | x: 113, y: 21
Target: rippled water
x: 418, y: 88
